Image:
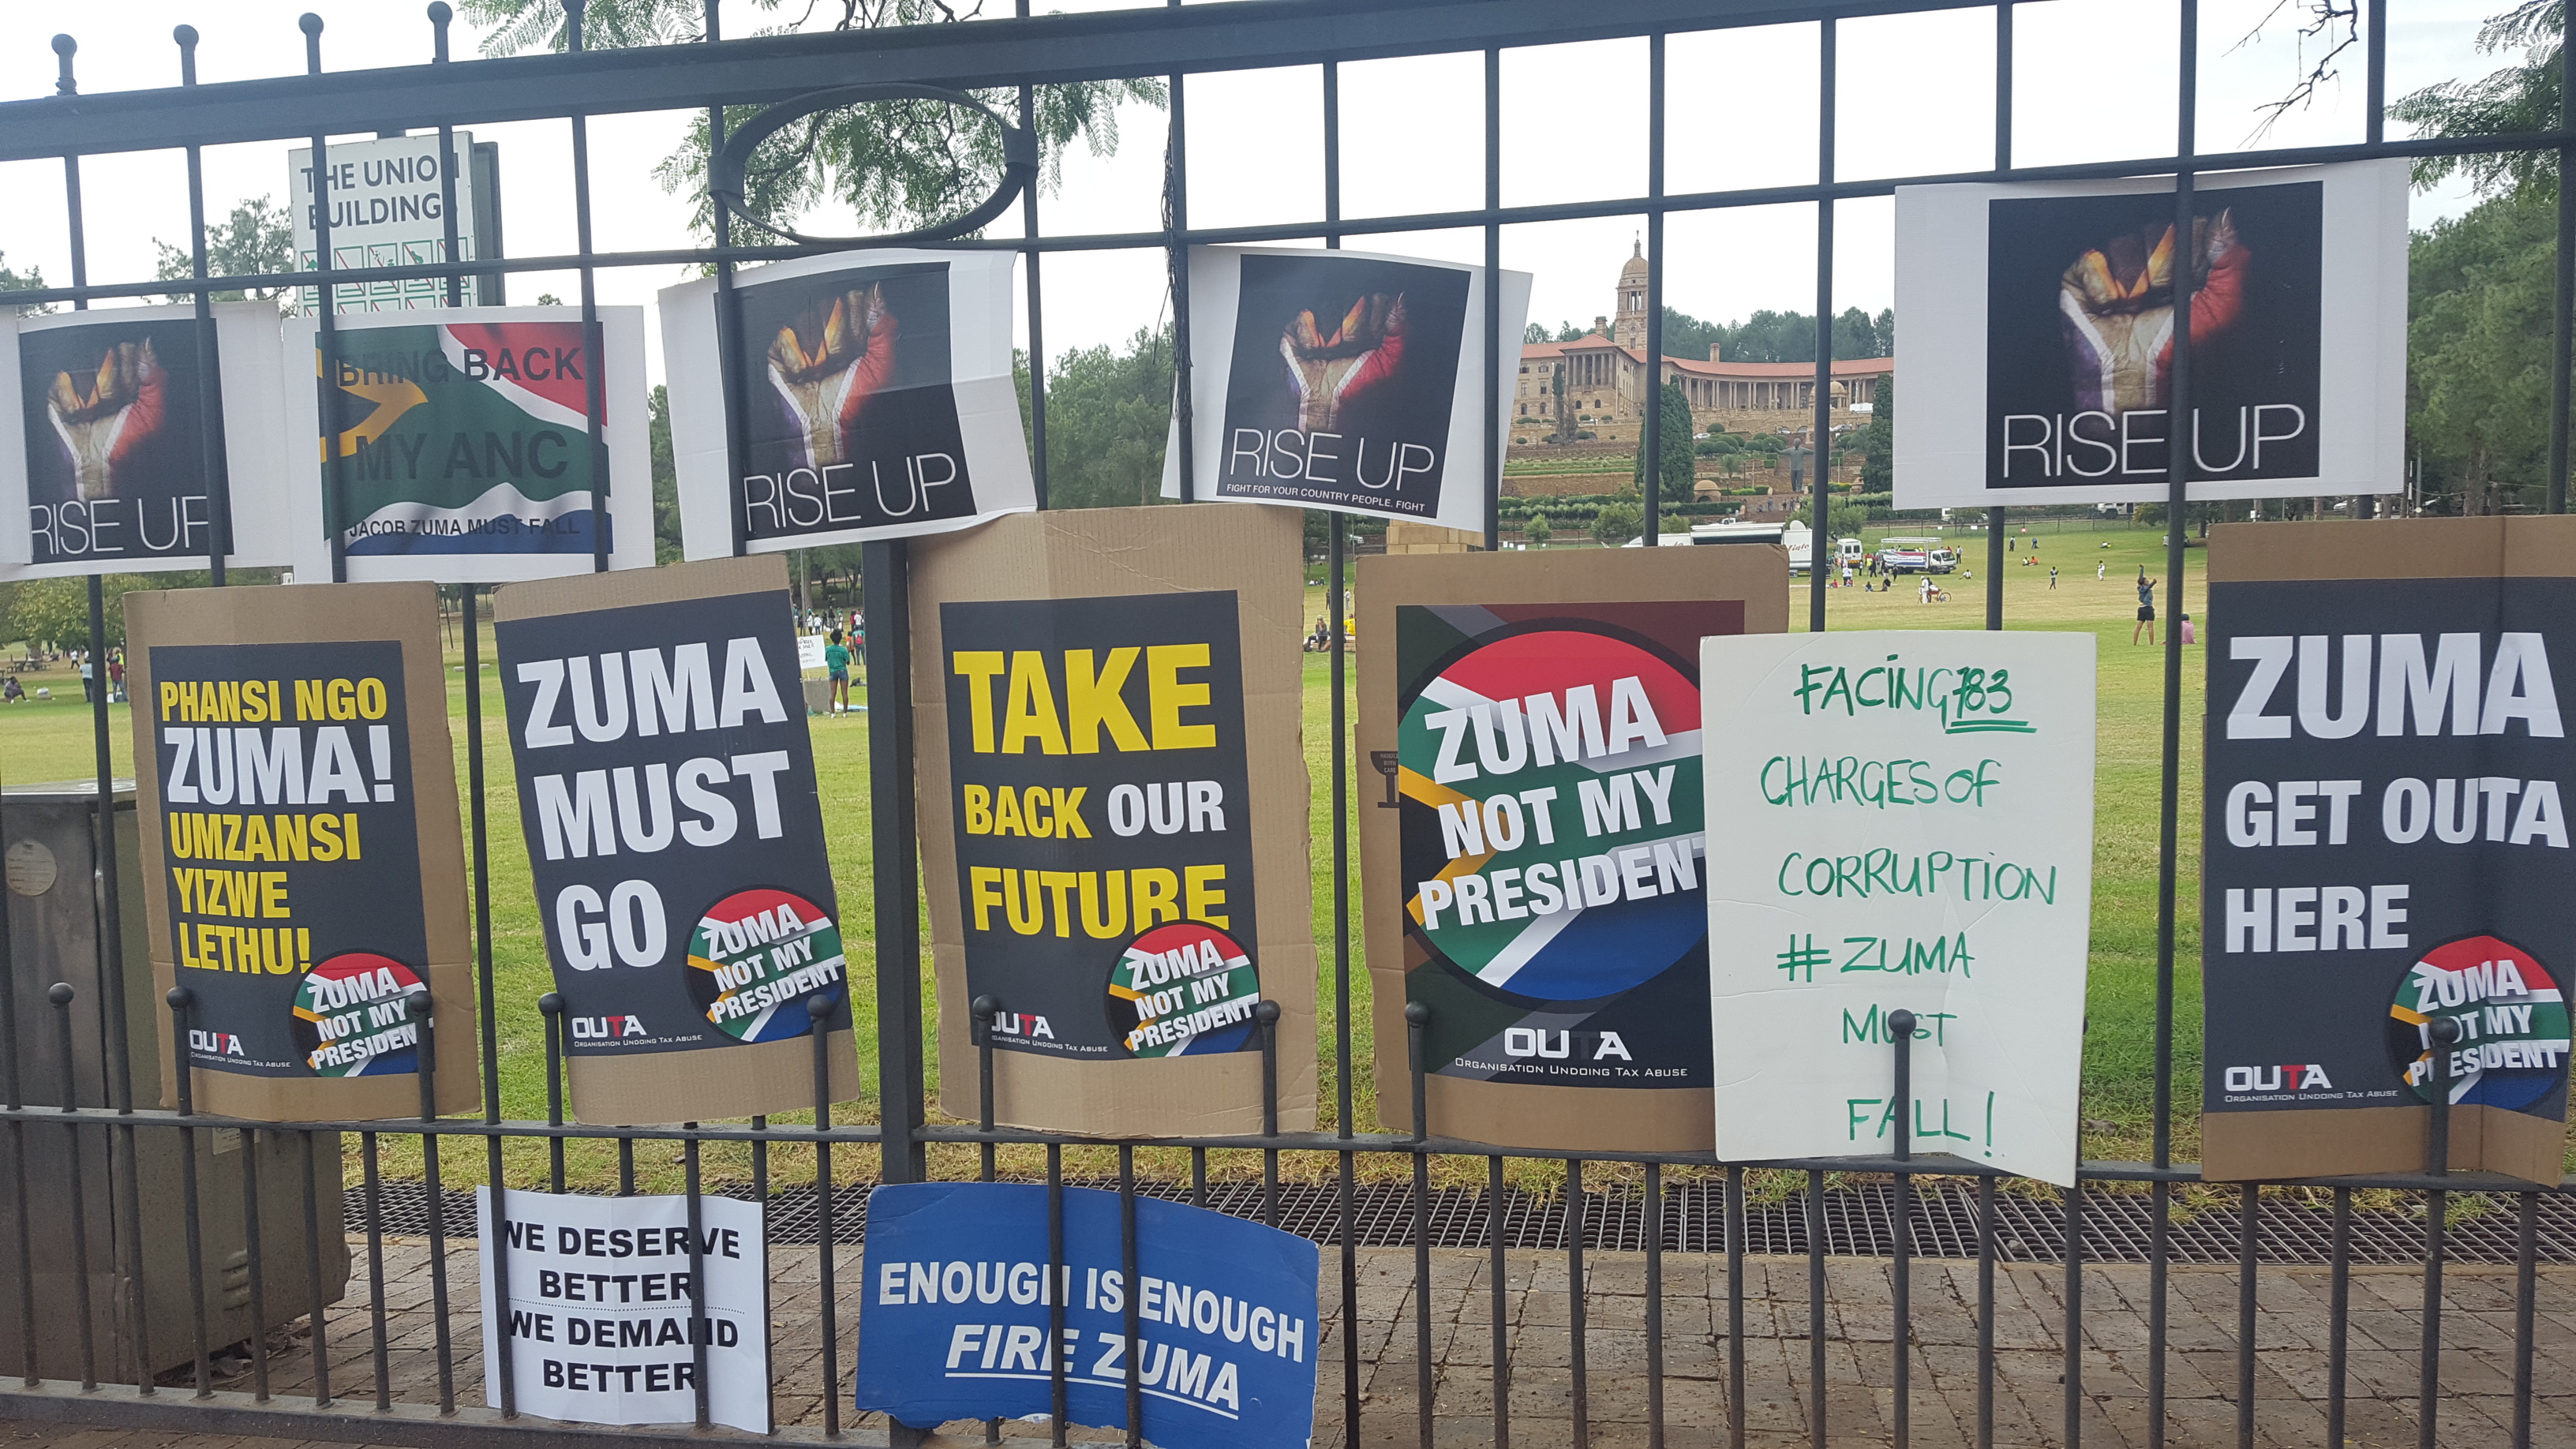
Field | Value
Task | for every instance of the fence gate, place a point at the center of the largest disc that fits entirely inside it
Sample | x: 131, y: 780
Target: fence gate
x: 1823, y: 1219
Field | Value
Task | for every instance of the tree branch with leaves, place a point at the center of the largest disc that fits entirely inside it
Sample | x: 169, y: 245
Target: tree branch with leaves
x: 897, y: 164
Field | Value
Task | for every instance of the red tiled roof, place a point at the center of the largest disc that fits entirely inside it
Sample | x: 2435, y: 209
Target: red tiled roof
x: 1701, y: 367
x: 1846, y: 367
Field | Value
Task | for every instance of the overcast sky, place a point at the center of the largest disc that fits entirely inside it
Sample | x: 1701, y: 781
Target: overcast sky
x: 2095, y: 80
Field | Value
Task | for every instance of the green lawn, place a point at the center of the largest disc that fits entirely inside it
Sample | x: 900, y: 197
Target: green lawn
x: 47, y: 740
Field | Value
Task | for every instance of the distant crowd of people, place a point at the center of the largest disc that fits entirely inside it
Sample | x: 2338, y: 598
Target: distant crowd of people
x: 13, y: 692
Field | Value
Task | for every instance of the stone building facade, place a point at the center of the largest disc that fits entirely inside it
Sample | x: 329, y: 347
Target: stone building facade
x: 1606, y: 388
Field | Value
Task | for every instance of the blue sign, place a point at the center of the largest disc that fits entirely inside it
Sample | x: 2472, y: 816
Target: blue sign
x: 959, y: 1300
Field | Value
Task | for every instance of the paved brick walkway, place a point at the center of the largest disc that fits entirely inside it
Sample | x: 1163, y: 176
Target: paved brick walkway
x: 2201, y: 1367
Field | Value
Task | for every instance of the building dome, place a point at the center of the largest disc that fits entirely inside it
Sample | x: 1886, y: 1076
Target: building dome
x: 1629, y: 329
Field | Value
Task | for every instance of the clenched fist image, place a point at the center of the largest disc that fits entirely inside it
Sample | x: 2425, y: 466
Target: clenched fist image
x: 2117, y: 306
x: 109, y: 420
x: 1331, y: 369
x: 828, y: 363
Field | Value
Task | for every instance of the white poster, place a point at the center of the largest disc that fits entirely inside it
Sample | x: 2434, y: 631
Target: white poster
x: 1346, y: 381
x: 2035, y: 365
x: 1907, y: 824
x: 110, y: 419
x: 388, y: 209
x: 878, y: 402
x: 600, y: 1309
x: 465, y: 445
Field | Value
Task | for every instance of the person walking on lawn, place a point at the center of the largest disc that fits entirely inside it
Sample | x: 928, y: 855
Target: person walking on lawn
x: 836, y: 661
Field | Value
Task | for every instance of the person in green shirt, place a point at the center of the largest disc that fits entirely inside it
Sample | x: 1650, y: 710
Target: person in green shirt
x: 836, y: 659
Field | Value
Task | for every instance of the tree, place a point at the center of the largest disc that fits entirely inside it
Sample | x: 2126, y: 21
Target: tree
x: 259, y: 237
x: 2477, y: 382
x: 2521, y: 97
x: 1108, y: 412
x: 1780, y: 336
x: 666, y: 478
x: 897, y: 163
x: 1538, y: 530
x: 31, y: 280
x: 1878, y: 440
x: 1675, y: 473
x: 1536, y: 333
x: 54, y: 613
x: 1618, y: 521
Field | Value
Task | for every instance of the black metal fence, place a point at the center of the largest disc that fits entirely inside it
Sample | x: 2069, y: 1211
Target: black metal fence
x: 1357, y: 1191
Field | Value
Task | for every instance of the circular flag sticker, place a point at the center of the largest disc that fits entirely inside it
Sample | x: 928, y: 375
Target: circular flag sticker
x: 757, y: 957
x: 1183, y: 990
x: 1551, y: 837
x: 2512, y: 1051
x: 353, y: 1017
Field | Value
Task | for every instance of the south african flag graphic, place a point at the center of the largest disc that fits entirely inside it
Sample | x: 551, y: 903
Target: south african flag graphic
x: 1548, y: 771
x: 464, y: 438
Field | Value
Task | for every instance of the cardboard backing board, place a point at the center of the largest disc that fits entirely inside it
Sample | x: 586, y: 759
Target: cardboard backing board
x: 1241, y: 559
x: 2341, y: 916
x: 1755, y: 580
x: 339, y: 632
x: 670, y: 1066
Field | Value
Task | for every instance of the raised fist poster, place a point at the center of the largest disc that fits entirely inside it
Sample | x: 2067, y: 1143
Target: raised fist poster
x: 675, y: 837
x: 1344, y: 381
x: 1533, y: 871
x: 134, y: 436
x: 877, y: 402
x: 464, y: 450
x: 2037, y: 360
x: 2387, y: 845
x: 1113, y: 807
x: 1909, y: 828
x: 304, y: 872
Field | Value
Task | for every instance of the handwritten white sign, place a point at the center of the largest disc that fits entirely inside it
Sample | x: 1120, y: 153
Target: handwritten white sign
x: 605, y: 1318
x: 1899, y: 820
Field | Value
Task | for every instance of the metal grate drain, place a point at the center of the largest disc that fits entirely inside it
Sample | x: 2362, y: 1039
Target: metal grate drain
x: 1859, y: 1222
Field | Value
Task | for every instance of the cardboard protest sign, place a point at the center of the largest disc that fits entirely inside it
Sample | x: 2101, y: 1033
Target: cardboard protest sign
x: 464, y: 455
x: 960, y: 1303
x: 106, y: 439
x: 2386, y: 845
x: 1113, y: 809
x: 296, y: 790
x: 2039, y: 323
x: 675, y: 836
x: 1908, y: 826
x: 878, y: 401
x: 1344, y: 380
x: 605, y: 1319
x: 1532, y: 873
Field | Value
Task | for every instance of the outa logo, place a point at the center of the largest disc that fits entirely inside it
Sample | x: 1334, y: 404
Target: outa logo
x: 215, y: 1043
x: 2288, y: 1077
x: 600, y: 1028
x: 1522, y: 1041
x: 1022, y: 1024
